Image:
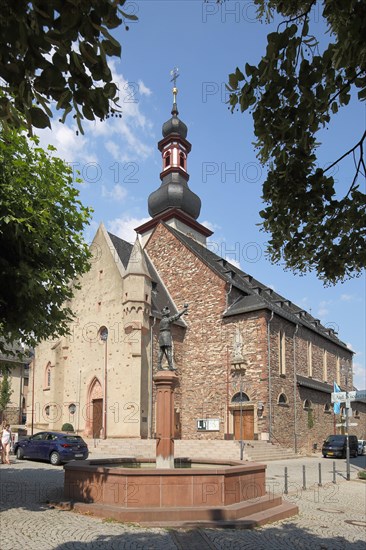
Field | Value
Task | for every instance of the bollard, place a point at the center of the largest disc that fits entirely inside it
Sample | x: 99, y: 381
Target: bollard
x: 334, y: 472
x: 320, y: 475
x: 303, y: 478
x: 286, y: 481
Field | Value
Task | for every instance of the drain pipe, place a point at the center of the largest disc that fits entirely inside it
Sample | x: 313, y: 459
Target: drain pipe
x: 150, y: 426
x: 269, y: 377
x: 295, y: 393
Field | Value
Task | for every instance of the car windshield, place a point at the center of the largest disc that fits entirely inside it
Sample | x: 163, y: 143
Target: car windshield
x: 335, y: 439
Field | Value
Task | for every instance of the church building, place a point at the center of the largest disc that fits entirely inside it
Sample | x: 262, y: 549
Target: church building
x: 251, y: 364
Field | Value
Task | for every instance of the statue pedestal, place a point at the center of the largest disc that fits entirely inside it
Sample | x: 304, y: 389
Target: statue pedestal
x: 165, y: 382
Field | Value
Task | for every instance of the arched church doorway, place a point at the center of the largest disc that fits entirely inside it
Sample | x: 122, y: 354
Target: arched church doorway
x: 94, y: 422
x: 243, y: 417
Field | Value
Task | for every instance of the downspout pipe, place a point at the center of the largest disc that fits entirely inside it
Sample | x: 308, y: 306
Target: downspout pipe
x: 295, y: 392
x: 269, y: 377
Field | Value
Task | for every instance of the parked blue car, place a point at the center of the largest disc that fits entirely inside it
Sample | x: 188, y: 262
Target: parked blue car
x: 55, y: 447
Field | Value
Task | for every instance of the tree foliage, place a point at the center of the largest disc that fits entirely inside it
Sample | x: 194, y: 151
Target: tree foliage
x: 43, y: 251
x: 292, y: 94
x: 5, y: 390
x: 55, y: 52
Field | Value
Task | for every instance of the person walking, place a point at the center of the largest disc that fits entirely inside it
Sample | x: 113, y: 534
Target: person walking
x: 5, y: 443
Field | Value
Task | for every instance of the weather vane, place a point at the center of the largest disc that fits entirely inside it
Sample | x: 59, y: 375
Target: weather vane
x: 174, y: 73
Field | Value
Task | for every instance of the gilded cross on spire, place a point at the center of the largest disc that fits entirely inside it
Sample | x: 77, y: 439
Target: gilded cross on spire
x: 174, y: 73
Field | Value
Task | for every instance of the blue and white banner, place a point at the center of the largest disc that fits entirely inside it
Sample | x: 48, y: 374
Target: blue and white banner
x: 336, y: 406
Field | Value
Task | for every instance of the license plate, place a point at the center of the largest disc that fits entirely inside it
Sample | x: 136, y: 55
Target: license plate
x: 79, y: 455
x: 330, y: 454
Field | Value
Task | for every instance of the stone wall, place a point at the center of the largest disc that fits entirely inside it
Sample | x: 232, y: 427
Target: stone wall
x: 200, y: 350
x: 204, y: 354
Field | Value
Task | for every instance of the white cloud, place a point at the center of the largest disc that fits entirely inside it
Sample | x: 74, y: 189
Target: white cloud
x: 125, y: 227
x: 347, y: 297
x: 323, y: 309
x: 113, y: 149
x: 211, y: 226
x: 117, y: 193
x: 127, y: 135
x: 143, y: 89
x: 233, y: 261
x: 359, y: 376
x: 70, y: 147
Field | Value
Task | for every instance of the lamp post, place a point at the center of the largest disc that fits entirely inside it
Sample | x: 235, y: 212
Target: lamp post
x: 104, y: 338
x: 345, y: 372
x: 238, y: 370
x: 33, y: 363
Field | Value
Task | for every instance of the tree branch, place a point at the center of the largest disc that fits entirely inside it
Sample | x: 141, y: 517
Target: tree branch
x: 359, y: 144
x: 344, y: 87
x: 295, y: 18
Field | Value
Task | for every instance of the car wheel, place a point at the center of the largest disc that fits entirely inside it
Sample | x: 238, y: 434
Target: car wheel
x: 324, y: 456
x: 20, y: 453
x: 55, y: 459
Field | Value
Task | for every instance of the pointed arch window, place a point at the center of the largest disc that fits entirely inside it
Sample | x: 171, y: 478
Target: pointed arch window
x: 307, y: 405
x: 282, y: 399
x: 47, y: 377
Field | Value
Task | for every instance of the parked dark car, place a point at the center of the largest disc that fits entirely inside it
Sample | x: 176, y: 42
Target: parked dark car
x: 56, y: 447
x: 336, y: 446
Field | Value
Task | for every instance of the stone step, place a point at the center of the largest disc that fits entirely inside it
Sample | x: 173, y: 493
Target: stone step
x: 247, y: 514
x: 220, y: 449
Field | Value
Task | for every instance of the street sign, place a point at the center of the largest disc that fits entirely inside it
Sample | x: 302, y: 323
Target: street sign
x: 339, y: 396
x: 361, y: 394
x: 342, y: 396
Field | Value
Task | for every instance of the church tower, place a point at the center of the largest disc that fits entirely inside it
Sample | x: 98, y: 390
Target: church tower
x: 174, y: 202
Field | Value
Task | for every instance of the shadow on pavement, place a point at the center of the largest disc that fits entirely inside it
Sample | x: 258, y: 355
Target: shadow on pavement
x: 286, y: 536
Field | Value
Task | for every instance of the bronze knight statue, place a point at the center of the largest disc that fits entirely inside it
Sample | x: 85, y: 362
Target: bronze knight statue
x: 165, y: 336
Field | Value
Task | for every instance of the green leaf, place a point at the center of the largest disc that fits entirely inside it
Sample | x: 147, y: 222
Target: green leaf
x: 130, y: 16
x: 111, y: 49
x: 249, y: 70
x: 39, y: 118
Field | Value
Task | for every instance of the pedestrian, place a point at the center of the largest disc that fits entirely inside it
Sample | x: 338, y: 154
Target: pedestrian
x: 5, y: 443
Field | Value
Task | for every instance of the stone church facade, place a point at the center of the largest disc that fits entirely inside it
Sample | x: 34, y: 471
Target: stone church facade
x: 251, y: 364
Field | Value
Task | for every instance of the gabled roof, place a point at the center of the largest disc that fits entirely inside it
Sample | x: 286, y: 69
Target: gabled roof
x: 123, y: 248
x: 159, y: 294
x: 254, y: 295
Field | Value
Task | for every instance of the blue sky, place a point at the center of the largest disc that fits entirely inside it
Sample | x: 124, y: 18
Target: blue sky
x: 120, y: 164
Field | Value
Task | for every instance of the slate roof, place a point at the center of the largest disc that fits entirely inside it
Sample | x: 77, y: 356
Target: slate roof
x: 159, y: 294
x: 313, y: 384
x: 252, y: 295
x: 123, y: 248
x: 15, y: 353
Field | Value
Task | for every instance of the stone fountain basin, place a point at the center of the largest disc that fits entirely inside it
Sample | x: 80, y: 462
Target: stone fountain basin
x: 137, y: 483
x: 193, y: 493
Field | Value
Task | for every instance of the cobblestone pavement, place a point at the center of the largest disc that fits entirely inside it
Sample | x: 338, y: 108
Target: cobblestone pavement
x: 332, y: 516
